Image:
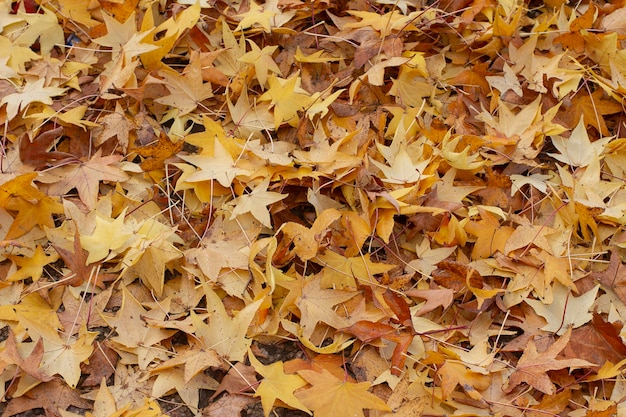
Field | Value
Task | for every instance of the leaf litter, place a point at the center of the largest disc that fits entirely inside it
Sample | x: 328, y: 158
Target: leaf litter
x: 310, y: 208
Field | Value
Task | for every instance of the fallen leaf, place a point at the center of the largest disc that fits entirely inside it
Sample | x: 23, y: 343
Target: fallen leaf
x: 276, y: 385
x: 331, y: 396
x: 533, y: 366
x: 85, y: 177
x: 565, y: 311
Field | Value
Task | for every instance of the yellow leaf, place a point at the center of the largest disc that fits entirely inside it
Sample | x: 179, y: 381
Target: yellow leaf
x: 314, y: 58
x: 223, y: 333
x: 32, y: 92
x: 221, y: 166
x: 565, y: 311
x: 109, y: 235
x: 31, y: 267
x: 276, y: 385
x: 262, y: 61
x: 578, y: 150
x: 63, y: 357
x: 43, y: 27
x: 342, y: 273
x: 459, y: 160
x: 330, y: 396
x: 287, y: 98
x: 307, y: 240
x: 256, y: 203
x: 187, y: 90
x: 168, y: 33
x: 124, y: 38
x: 385, y: 24
x: 70, y: 117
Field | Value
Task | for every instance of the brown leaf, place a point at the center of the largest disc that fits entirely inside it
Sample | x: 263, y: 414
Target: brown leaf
x: 596, y: 343
x: 30, y: 364
x: 453, y: 275
x: 101, y: 364
x: 399, y: 306
x: 239, y: 379
x: 434, y: 298
x: 37, y: 153
x: 368, y: 331
x: 553, y: 404
x: 614, y: 277
x: 51, y: 396
x: 77, y: 263
x: 228, y: 406
x: 533, y: 366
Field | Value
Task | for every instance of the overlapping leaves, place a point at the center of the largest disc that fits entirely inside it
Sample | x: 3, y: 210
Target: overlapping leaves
x: 420, y: 199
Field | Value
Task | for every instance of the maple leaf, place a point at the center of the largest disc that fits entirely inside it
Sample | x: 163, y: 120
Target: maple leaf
x: 332, y: 396
x: 277, y: 385
x: 534, y: 67
x: 119, y: 73
x: 459, y: 160
x: 327, y: 157
x: 317, y: 304
x: 287, y: 98
x: 187, y: 90
x: 108, y: 235
x: 44, y: 27
x: 221, y: 166
x: 455, y: 373
x: 31, y: 267
x: 506, y: 82
x: 593, y: 108
x: 75, y: 315
x: 267, y: 16
x: 32, y: 92
x: 11, y: 355
x: 63, y: 357
x: 132, y: 331
x: 157, y: 154
x: 384, y: 24
x: 124, y: 37
x: 221, y: 247
x: 193, y: 360
x: 168, y: 33
x: 368, y: 331
x: 256, y: 203
x: 613, y: 276
x: 434, y: 298
x: 491, y: 236
x: 428, y: 257
x: 85, y: 177
x: 578, y: 150
x: 151, y: 252
x: 306, y: 241
x: 599, y: 343
x: 115, y: 124
x: 250, y: 117
x: 52, y: 396
x: 189, y: 391
x: 402, y: 169
x: 30, y: 215
x: 342, y: 273
x: 76, y: 261
x: 224, y: 334
x: 262, y: 61
x: 77, y: 11
x: 565, y: 311
x: 533, y: 366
